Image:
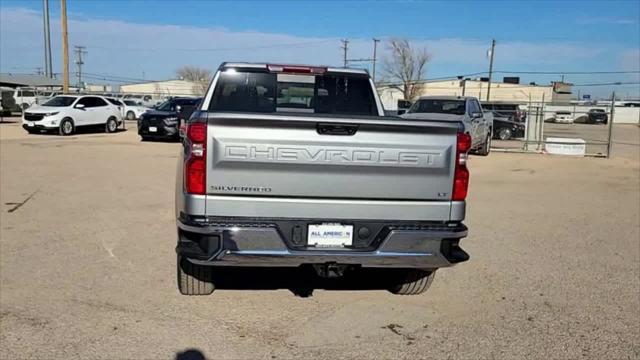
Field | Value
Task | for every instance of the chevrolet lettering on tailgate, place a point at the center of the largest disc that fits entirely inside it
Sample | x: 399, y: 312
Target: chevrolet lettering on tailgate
x: 319, y: 155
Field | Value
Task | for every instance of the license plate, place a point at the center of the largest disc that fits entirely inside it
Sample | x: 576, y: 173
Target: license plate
x: 153, y: 129
x: 330, y: 235
x: 30, y: 124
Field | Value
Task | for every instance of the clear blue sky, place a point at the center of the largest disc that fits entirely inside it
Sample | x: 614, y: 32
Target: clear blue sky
x: 532, y: 36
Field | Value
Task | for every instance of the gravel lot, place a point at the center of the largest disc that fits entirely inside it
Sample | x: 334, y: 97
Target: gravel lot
x: 87, y: 266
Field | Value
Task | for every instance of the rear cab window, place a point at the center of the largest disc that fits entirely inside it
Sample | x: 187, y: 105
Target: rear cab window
x: 265, y: 92
x: 439, y: 106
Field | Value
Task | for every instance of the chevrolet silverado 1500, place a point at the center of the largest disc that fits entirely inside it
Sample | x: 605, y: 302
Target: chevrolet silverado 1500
x: 288, y: 165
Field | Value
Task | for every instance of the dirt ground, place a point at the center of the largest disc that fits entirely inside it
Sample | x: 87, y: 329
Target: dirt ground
x: 87, y: 266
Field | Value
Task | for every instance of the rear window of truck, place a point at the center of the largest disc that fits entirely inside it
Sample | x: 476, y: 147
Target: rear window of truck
x: 337, y: 94
x: 437, y: 106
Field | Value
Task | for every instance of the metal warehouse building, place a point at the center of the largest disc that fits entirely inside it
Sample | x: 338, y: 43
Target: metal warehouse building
x: 556, y: 92
x: 29, y: 80
x: 164, y: 88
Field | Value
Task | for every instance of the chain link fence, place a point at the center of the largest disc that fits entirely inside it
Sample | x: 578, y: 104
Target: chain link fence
x: 557, y: 128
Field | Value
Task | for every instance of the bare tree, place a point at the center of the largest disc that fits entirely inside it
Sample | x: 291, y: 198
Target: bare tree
x: 405, y: 66
x: 201, y: 77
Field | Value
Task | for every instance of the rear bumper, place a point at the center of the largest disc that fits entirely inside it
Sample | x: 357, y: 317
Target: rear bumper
x: 273, y: 242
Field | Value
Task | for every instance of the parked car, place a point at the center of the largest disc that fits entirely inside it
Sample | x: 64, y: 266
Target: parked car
x: 511, y: 111
x: 163, y: 121
x: 24, y: 98
x: 143, y: 99
x: 505, y: 129
x: 465, y: 110
x: 66, y: 113
x: 596, y: 116
x: 132, y: 110
x: 298, y: 166
x: 562, y: 117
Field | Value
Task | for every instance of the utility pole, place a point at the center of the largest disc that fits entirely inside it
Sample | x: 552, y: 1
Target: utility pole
x: 48, y: 68
x: 79, y: 50
x: 65, y: 47
x: 345, y: 49
x: 375, y: 48
x: 493, y: 47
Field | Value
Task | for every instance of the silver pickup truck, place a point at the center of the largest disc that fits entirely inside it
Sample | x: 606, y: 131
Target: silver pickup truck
x: 288, y: 166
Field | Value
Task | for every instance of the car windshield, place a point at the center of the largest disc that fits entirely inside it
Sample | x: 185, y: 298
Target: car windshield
x: 453, y: 107
x: 165, y: 106
x: 597, y: 110
x: 563, y: 113
x: 60, y: 101
x: 130, y: 103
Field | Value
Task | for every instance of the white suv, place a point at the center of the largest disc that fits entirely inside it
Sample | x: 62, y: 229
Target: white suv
x: 67, y: 112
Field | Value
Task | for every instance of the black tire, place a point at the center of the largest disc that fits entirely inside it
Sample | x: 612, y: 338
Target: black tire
x: 111, y: 125
x: 144, y: 138
x: 504, y: 134
x: 413, y: 282
x: 486, y: 148
x: 131, y: 115
x: 66, y: 127
x: 194, y: 279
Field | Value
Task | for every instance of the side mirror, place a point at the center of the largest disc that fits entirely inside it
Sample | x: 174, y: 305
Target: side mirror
x: 476, y: 115
x: 178, y: 108
x: 79, y: 106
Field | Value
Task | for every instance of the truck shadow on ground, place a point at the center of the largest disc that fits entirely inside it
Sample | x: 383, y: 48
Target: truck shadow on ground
x: 301, y: 281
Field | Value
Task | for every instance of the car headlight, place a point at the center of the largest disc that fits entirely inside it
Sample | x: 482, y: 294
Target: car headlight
x: 171, y: 119
x: 51, y: 113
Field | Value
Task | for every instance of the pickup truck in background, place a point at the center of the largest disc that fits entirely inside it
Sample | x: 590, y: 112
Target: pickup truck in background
x: 459, y: 109
x: 289, y: 165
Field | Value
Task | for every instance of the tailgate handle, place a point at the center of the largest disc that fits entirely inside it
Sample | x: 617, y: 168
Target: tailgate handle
x: 336, y: 129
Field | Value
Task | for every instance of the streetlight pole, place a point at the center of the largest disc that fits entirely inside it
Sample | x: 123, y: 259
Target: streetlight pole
x: 493, y: 47
x: 375, y: 48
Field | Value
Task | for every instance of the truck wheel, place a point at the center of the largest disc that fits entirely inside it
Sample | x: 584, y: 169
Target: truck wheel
x: 194, y: 279
x: 413, y: 282
x: 66, y: 127
x: 486, y: 148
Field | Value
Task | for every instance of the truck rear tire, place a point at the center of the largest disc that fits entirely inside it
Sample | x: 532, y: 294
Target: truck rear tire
x: 194, y: 279
x: 486, y: 147
x: 413, y: 282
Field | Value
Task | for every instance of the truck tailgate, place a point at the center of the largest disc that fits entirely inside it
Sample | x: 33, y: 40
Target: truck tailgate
x: 306, y: 156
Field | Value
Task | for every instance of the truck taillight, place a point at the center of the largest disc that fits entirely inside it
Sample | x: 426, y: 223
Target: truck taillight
x: 195, y: 174
x: 461, y: 173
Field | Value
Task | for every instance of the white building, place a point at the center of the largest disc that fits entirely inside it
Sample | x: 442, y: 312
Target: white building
x: 520, y: 93
x: 165, y: 88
